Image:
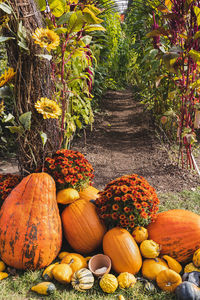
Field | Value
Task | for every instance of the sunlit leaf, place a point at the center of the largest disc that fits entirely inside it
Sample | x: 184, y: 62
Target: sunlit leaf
x: 5, y: 38
x: 43, y: 136
x: 197, y: 13
x: 96, y: 27
x: 23, y: 45
x: 25, y: 120
x: 46, y: 56
x: 76, y: 22
x: 8, y: 118
x: 197, y: 35
x: 90, y: 17
x: 94, y: 9
x: 15, y: 129
x: 57, y: 7
x: 6, y: 8
x: 195, y: 55
x: 78, y: 123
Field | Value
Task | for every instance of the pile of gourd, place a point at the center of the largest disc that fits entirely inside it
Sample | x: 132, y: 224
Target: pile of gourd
x: 31, y: 238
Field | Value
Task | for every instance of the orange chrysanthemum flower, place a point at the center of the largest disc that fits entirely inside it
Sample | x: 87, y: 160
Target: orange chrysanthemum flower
x: 134, y: 200
x: 115, y: 207
x: 69, y: 169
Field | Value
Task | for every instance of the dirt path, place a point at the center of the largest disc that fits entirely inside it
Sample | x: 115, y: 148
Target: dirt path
x: 123, y: 142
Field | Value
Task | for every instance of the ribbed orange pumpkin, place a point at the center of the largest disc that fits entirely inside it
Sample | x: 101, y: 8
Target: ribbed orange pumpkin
x: 177, y: 231
x: 89, y: 193
x: 82, y: 227
x: 30, y: 224
x: 121, y: 247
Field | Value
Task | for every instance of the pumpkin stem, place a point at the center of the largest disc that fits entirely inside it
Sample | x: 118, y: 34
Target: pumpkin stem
x: 71, y: 261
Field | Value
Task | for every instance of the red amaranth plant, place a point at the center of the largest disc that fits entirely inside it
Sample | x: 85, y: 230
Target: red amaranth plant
x: 181, y: 20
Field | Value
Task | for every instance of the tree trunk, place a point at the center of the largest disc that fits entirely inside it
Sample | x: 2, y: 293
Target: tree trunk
x: 33, y: 81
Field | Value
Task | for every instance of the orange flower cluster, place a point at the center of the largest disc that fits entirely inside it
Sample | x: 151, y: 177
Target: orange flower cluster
x: 127, y: 202
x: 70, y: 169
x: 7, y: 183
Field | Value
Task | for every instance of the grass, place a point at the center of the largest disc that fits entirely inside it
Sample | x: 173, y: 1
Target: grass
x: 18, y: 287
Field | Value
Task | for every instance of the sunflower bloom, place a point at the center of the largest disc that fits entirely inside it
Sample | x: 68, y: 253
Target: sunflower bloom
x: 48, y: 108
x: 46, y: 38
x: 7, y: 76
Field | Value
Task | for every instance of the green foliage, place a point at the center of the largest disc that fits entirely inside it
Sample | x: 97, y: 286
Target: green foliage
x: 146, y: 71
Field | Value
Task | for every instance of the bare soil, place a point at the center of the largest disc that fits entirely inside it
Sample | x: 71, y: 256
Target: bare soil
x: 123, y: 141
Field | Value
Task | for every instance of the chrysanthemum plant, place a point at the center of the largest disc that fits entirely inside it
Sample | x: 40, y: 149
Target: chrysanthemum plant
x: 127, y: 202
x: 70, y: 169
x: 67, y: 37
x: 176, y: 35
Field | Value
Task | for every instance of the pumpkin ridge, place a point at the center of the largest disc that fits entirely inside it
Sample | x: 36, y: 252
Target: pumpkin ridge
x: 29, y: 237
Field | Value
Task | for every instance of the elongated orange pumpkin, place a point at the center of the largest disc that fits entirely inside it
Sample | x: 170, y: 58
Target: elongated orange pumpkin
x: 121, y: 247
x: 30, y: 224
x: 82, y: 227
x: 177, y: 231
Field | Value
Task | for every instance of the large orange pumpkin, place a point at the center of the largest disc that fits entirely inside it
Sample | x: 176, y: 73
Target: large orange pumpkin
x: 82, y: 227
x: 89, y: 193
x: 30, y: 224
x: 177, y: 231
x: 121, y: 247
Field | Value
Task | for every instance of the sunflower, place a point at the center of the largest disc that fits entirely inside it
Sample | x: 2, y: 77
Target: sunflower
x: 48, y: 108
x: 46, y: 38
x: 7, y: 76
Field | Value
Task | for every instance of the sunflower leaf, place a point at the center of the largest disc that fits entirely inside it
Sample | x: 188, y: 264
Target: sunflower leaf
x: 46, y: 56
x: 5, y: 38
x: 25, y: 120
x: 6, y: 8
x: 43, y: 136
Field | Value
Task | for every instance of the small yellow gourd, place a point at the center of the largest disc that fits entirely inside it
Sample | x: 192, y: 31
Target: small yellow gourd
x: 2, y: 266
x: 149, y: 249
x: 190, y: 268
x: 121, y: 297
x: 3, y: 275
x: 126, y: 280
x: 196, y: 258
x: 172, y: 263
x: 61, y: 255
x: 140, y: 234
x: 152, y: 266
x: 62, y: 273
x: 44, y: 288
x: 47, y: 274
x: 168, y: 280
x: 76, y: 261
x: 108, y: 283
x: 67, y: 196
